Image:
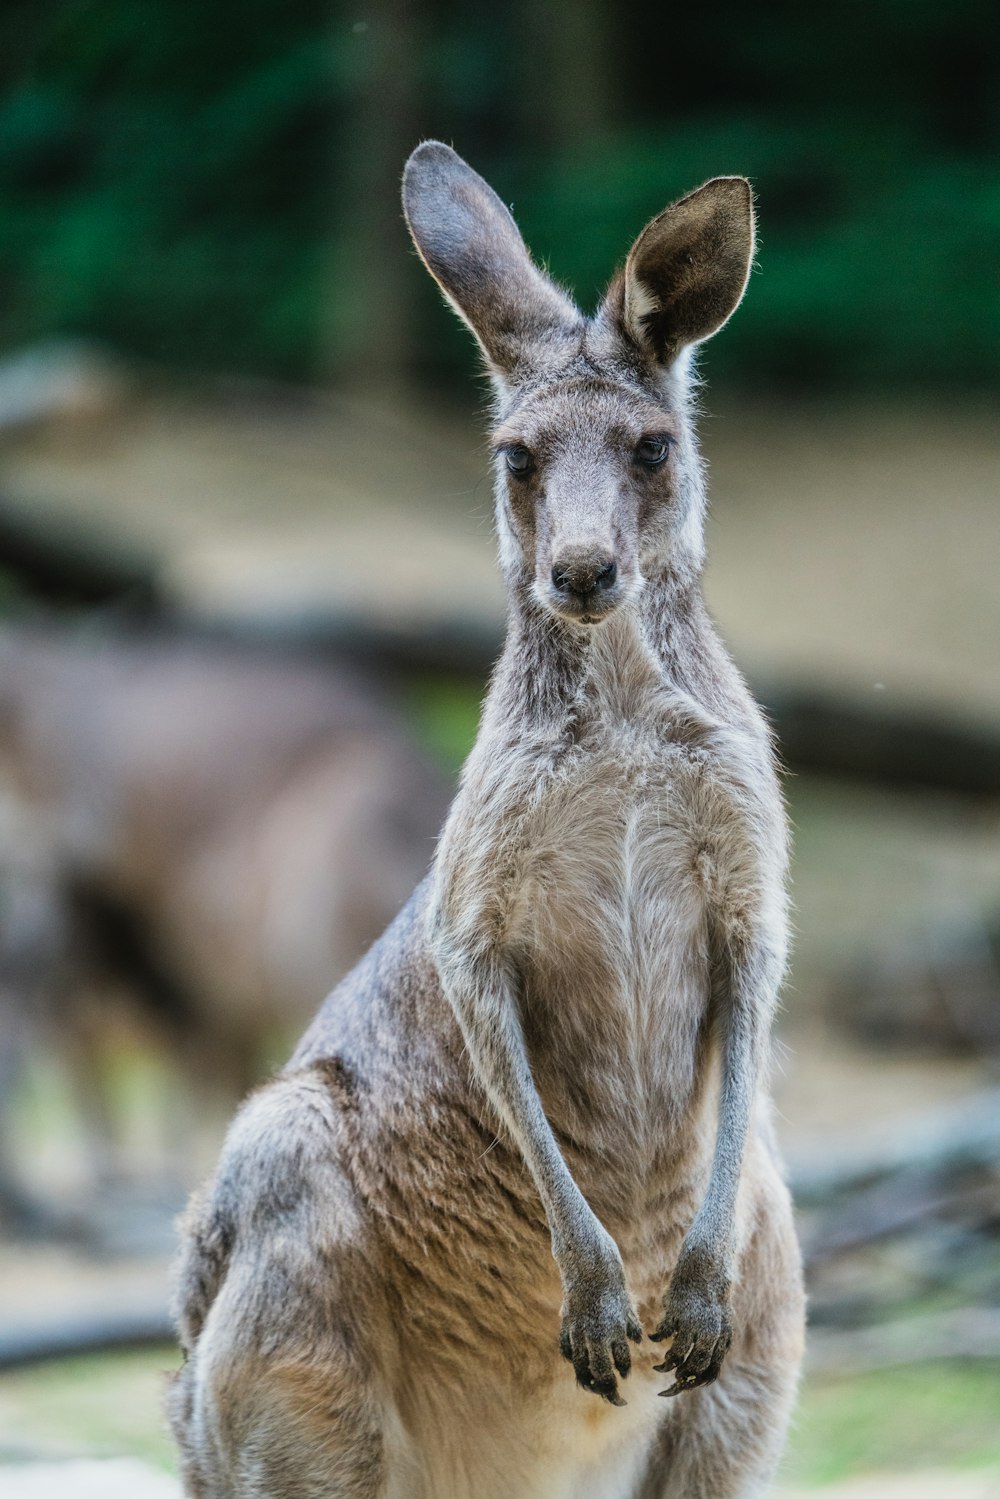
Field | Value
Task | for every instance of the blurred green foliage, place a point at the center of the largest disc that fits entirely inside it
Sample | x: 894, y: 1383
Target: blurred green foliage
x: 163, y: 171
x: 106, y: 1405
x: 195, y: 184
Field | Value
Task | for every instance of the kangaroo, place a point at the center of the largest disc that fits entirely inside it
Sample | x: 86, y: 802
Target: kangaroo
x: 533, y: 1121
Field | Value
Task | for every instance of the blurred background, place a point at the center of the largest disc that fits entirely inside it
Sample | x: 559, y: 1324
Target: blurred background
x: 248, y: 605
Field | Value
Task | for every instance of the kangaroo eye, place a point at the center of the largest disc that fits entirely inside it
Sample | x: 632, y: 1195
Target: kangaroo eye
x: 651, y: 451
x: 518, y: 460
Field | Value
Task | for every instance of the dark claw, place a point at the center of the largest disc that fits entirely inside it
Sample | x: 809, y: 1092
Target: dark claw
x: 685, y: 1382
x: 697, y: 1363
x: 596, y: 1343
x: 581, y: 1365
x: 672, y: 1359
x: 608, y: 1390
x: 697, y: 1322
x: 682, y: 1385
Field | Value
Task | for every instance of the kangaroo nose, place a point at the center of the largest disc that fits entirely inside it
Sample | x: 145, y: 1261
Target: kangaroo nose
x: 582, y: 575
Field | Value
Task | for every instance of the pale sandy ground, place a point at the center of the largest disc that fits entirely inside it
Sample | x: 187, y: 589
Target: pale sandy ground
x: 849, y: 544
x: 127, y: 1479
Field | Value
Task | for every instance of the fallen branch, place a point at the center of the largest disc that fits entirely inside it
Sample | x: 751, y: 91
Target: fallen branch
x: 72, y: 564
x: 103, y: 1331
x: 885, y: 1211
x: 968, y: 1333
x: 956, y: 1137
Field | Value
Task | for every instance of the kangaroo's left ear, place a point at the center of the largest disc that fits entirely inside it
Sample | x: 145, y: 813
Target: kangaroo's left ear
x: 688, y: 270
x: 474, y: 250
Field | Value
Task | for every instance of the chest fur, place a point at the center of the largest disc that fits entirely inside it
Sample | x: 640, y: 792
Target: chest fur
x: 610, y: 933
x: 611, y: 875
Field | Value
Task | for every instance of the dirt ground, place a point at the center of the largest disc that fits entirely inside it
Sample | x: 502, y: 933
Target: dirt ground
x: 124, y: 1479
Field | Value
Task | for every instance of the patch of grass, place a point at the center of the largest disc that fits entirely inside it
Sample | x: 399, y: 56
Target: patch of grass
x: 939, y: 1416
x: 944, y: 1416
x: 445, y: 715
x: 107, y: 1405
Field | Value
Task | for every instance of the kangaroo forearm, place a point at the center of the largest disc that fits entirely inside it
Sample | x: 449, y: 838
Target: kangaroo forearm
x: 696, y: 1316
x: 746, y: 1004
x: 712, y: 1233
x: 490, y: 1026
x: 598, y: 1318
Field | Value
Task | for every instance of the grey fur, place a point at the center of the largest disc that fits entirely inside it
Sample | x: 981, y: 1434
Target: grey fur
x: 561, y: 1045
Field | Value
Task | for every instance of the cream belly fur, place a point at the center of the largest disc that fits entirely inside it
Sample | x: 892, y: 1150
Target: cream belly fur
x: 609, y: 917
x: 558, y: 1452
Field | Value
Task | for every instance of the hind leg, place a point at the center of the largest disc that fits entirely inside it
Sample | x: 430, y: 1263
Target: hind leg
x: 281, y: 1318
x: 723, y: 1441
x: 281, y: 1429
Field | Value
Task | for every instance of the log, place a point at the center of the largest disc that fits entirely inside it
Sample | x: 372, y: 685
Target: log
x: 891, y: 1208
x: 833, y: 734
x: 823, y: 732
x: 971, y: 1332
x: 73, y: 565
x: 947, y: 1140
x: 101, y: 1331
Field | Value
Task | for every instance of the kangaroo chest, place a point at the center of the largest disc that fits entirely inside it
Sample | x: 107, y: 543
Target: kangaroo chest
x: 609, y: 932
x: 609, y: 866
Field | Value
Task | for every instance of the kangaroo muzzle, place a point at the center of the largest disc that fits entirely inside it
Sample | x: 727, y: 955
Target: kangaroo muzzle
x: 585, y: 584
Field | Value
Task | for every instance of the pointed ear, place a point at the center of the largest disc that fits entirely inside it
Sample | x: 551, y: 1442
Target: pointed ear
x: 474, y: 250
x: 687, y: 271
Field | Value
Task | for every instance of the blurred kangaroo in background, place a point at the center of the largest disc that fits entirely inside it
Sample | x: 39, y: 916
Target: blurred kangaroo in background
x: 195, y: 836
x: 541, y: 1098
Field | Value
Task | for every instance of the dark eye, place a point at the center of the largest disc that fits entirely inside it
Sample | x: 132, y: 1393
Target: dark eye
x: 518, y: 460
x: 651, y: 451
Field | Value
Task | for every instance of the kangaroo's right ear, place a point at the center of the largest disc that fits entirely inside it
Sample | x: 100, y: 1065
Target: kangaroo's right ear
x: 686, y: 273
x: 474, y: 250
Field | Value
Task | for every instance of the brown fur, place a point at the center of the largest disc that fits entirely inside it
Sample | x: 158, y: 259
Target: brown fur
x: 542, y: 1094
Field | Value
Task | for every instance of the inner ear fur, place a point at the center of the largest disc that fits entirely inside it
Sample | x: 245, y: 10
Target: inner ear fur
x: 686, y: 273
x: 470, y: 244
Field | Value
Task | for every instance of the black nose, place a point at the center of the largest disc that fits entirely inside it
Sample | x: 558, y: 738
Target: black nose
x: 583, y: 577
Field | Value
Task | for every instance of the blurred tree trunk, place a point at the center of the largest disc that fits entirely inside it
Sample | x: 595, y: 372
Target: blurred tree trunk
x: 369, y: 339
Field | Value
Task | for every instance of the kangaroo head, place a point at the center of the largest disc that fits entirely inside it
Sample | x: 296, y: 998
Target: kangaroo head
x: 598, y: 480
